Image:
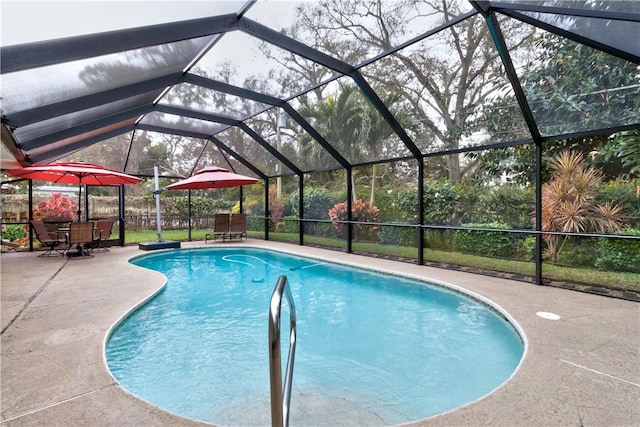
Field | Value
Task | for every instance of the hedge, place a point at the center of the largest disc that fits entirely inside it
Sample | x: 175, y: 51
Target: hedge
x: 489, y: 243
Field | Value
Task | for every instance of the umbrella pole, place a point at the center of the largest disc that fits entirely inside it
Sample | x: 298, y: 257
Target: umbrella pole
x: 160, y: 244
x: 156, y: 193
x: 86, y: 203
x: 80, y: 200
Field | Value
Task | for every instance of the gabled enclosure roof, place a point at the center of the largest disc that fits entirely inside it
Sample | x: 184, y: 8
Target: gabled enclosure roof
x: 138, y: 74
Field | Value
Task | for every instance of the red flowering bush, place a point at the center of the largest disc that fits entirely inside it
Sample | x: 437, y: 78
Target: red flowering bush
x: 361, y: 211
x: 56, y: 208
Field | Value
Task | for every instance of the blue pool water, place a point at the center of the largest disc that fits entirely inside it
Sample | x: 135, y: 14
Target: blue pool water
x: 372, y: 349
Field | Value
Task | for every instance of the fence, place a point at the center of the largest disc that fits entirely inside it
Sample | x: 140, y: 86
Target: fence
x: 148, y: 222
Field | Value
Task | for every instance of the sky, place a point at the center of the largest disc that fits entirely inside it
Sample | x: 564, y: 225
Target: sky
x: 26, y: 21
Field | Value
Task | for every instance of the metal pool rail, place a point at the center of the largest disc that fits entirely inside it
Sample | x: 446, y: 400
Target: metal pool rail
x: 280, y: 399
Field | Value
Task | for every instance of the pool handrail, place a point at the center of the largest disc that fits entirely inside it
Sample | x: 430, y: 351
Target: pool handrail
x: 281, y: 399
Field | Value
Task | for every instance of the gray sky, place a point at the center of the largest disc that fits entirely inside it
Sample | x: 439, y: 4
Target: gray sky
x: 27, y: 21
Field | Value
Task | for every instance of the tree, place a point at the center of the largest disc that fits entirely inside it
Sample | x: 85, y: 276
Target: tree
x: 566, y: 96
x: 440, y: 82
x: 356, y: 130
x: 623, y: 151
x: 338, y: 118
x: 376, y: 134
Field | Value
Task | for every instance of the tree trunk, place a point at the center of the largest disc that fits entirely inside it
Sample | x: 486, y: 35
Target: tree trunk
x: 353, y: 187
x: 453, y: 161
x: 372, y: 198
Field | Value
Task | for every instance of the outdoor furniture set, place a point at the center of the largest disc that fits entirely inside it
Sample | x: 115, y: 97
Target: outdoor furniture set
x: 85, y: 237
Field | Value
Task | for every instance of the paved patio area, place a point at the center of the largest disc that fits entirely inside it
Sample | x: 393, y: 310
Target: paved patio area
x: 581, y: 370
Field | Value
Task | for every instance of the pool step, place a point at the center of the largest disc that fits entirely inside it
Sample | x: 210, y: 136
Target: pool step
x: 306, y: 410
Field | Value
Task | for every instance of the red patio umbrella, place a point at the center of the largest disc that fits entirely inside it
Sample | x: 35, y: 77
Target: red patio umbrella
x: 75, y: 173
x: 212, y: 177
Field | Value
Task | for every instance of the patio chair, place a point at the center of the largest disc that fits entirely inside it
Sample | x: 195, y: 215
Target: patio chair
x: 220, y: 227
x: 80, y: 236
x: 102, y: 233
x: 50, y: 240
x: 238, y: 226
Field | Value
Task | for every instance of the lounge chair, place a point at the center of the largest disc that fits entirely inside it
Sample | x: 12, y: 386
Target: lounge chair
x: 220, y: 227
x: 80, y: 236
x: 49, y: 239
x: 102, y: 233
x: 238, y: 226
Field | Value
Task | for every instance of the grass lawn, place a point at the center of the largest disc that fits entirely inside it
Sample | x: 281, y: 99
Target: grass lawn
x: 593, y: 277
x: 138, y: 236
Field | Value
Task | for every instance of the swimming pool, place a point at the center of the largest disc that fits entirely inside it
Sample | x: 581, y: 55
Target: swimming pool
x: 372, y: 349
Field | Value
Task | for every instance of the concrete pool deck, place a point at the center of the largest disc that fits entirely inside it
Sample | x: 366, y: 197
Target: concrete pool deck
x: 581, y: 370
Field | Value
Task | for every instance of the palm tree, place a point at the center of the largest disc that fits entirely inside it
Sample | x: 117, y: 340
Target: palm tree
x: 356, y: 130
x: 376, y: 137
x: 339, y: 120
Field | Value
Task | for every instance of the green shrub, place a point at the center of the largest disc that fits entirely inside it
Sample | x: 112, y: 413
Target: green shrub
x: 441, y: 201
x: 619, y: 254
x: 317, y: 202
x: 398, y: 236
x: 439, y: 239
x: 406, y: 206
x: 489, y: 243
x: 255, y: 224
x: 324, y: 229
x: 529, y: 248
x: 579, y: 252
x: 449, y: 204
x: 14, y: 232
x: 623, y: 194
x: 386, y: 201
x: 508, y: 204
x: 290, y: 224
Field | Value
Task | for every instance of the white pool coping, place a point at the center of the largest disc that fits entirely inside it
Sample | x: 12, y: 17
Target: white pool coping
x: 581, y: 369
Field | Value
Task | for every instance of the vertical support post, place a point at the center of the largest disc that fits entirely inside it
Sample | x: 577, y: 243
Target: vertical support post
x: 156, y: 194
x: 121, y: 212
x: 30, y: 215
x: 349, y: 208
x: 301, y: 209
x: 503, y: 51
x: 538, y: 257
x: 420, y: 211
x: 267, y: 214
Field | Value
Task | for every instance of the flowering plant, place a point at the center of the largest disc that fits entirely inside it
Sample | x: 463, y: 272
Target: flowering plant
x: 56, y: 208
x: 363, y: 212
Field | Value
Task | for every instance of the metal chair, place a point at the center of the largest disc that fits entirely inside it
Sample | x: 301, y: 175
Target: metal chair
x: 102, y: 233
x: 48, y: 239
x: 80, y: 236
